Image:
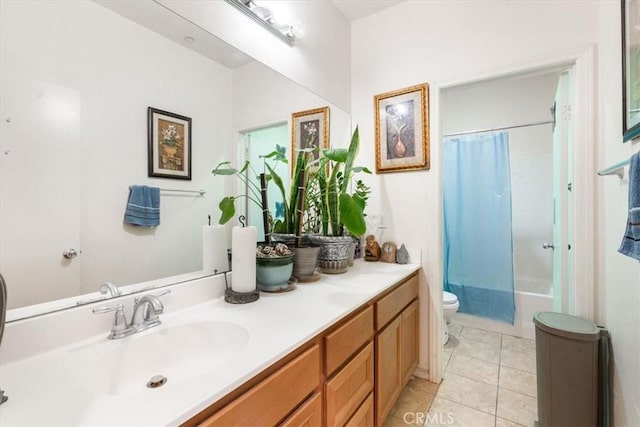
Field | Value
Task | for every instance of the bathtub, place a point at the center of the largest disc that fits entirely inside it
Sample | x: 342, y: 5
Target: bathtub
x: 531, y: 295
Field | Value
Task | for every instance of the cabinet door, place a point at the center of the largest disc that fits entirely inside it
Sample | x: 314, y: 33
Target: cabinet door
x: 389, y: 375
x: 349, y: 387
x: 410, y: 348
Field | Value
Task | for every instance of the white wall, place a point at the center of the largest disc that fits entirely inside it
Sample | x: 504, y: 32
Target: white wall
x: 619, y: 293
x: 112, y: 70
x: 319, y: 61
x: 263, y: 97
x: 441, y: 42
x: 492, y: 104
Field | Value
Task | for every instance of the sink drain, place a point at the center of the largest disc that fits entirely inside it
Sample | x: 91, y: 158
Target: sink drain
x: 157, y: 381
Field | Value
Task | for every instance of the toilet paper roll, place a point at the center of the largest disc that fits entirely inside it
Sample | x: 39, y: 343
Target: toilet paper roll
x: 214, y: 249
x: 243, y: 251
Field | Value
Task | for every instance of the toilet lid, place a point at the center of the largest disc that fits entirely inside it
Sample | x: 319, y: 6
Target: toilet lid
x: 449, y: 298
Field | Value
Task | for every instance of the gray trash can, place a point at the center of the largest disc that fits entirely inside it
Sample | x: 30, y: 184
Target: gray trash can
x: 567, y: 355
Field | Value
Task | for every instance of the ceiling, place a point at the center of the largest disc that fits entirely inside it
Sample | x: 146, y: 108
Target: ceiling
x: 356, y: 9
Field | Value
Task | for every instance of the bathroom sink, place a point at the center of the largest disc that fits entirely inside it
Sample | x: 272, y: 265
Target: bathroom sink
x: 346, y: 298
x: 177, y: 353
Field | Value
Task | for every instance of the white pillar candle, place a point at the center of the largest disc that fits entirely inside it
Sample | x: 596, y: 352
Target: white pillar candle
x: 243, y: 252
x: 214, y: 249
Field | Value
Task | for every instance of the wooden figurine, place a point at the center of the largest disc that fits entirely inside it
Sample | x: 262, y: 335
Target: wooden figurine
x: 389, y: 252
x: 371, y: 249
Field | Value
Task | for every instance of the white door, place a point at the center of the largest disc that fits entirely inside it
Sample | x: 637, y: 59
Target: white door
x: 39, y: 187
x: 563, y: 290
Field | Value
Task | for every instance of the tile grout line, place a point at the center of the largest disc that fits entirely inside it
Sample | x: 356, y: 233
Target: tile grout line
x: 495, y: 421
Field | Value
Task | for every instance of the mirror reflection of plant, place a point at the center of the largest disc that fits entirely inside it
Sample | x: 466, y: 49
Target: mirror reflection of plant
x: 312, y: 220
x: 228, y: 203
x: 341, y: 210
x: 290, y: 222
x: 301, y: 174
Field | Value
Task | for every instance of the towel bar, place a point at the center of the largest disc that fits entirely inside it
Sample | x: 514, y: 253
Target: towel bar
x: 200, y: 192
x: 617, y: 169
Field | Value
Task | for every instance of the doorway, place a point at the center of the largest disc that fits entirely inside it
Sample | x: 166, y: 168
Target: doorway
x: 537, y: 144
x: 581, y: 60
x: 260, y: 142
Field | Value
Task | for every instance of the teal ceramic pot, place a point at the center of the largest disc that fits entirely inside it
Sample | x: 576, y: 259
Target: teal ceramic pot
x: 273, y: 274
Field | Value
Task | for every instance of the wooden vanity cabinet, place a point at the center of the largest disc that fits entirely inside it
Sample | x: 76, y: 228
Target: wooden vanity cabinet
x: 349, y: 375
x: 396, y: 345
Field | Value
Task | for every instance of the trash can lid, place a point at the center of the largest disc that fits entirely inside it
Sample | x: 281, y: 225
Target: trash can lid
x: 566, y: 325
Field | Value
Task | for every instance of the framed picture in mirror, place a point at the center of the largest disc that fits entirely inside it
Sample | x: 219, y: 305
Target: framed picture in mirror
x: 630, y: 69
x: 309, y: 129
x: 402, y: 129
x: 169, y: 139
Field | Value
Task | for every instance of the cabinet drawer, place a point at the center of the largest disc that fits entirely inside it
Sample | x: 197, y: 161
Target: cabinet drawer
x: 270, y: 401
x: 389, y: 306
x: 364, y: 415
x: 308, y: 415
x: 349, y: 337
x: 349, y: 387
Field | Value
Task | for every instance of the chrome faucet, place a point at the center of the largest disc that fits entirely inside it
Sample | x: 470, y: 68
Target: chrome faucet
x: 145, y: 315
x: 111, y: 289
x: 146, y: 311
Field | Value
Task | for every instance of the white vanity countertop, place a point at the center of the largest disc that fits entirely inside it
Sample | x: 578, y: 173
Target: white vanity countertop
x: 65, y: 385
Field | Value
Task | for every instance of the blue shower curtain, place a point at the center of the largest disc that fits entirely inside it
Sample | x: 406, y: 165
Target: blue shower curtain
x: 478, y: 240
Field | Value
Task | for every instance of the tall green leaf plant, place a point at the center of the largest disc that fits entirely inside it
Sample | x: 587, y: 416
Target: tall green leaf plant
x: 342, y: 211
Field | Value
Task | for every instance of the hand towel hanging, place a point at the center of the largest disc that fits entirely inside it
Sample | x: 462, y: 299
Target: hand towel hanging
x: 631, y: 241
x: 143, y: 206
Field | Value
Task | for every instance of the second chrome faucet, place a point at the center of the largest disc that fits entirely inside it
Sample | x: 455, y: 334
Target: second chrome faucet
x: 145, y: 315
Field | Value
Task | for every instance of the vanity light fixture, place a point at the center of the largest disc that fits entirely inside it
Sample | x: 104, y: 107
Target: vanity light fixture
x: 265, y: 17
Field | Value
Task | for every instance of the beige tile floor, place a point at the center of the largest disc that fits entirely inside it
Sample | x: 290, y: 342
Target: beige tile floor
x: 489, y: 380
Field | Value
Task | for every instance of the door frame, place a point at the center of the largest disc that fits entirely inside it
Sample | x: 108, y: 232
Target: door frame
x: 582, y: 60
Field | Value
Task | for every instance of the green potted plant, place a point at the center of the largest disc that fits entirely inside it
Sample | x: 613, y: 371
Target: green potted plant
x: 291, y: 224
x: 299, y: 218
x: 342, y: 211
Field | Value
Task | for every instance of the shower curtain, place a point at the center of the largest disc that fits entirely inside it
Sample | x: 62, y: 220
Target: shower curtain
x: 478, y: 240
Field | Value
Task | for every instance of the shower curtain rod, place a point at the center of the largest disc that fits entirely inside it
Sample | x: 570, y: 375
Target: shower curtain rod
x: 500, y: 128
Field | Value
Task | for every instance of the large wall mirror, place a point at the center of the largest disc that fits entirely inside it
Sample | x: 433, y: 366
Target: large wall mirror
x: 76, y: 81
x: 630, y: 69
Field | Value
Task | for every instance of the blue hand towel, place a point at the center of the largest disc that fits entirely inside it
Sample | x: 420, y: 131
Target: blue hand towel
x: 631, y: 242
x: 143, y: 206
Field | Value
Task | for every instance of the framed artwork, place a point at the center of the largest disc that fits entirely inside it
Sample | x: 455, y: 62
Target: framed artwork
x: 630, y: 69
x: 309, y: 129
x: 169, y: 139
x: 402, y: 129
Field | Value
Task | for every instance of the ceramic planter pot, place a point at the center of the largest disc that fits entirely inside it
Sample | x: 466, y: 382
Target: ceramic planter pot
x: 305, y: 262
x: 334, y: 253
x: 273, y: 274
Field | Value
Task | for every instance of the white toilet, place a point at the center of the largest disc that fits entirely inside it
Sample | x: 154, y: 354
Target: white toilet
x: 450, y: 305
